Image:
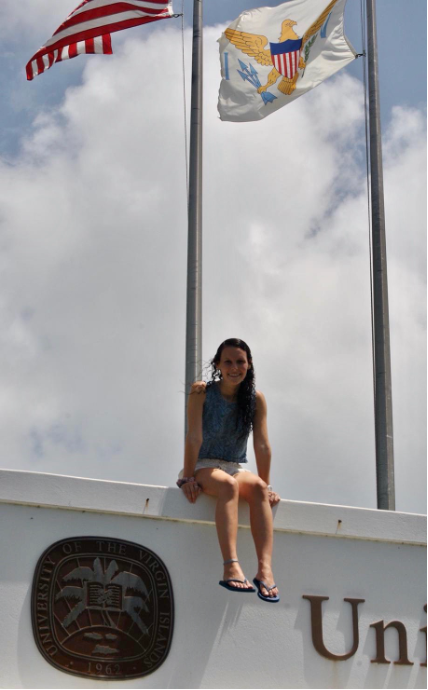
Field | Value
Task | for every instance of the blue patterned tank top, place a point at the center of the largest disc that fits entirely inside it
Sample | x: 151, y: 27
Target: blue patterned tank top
x: 222, y: 440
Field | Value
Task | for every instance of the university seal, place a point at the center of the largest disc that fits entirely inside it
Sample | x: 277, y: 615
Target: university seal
x: 102, y: 608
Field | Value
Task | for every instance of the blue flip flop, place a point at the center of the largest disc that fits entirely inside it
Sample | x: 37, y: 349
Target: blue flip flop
x: 224, y: 583
x: 259, y: 584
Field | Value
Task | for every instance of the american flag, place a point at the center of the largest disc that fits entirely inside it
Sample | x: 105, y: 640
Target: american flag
x: 87, y: 29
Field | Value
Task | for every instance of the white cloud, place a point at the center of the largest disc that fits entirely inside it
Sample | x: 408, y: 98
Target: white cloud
x: 24, y: 19
x: 94, y: 238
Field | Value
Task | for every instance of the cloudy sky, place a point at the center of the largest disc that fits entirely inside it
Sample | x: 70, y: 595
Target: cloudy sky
x: 93, y: 236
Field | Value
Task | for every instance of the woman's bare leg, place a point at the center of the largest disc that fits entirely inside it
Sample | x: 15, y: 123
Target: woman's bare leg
x: 254, y: 491
x: 224, y: 488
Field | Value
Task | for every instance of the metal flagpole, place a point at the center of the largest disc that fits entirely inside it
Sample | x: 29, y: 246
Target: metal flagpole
x: 194, y: 246
x: 383, y: 392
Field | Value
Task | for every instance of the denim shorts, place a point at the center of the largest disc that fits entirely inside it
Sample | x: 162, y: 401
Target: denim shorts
x: 228, y: 467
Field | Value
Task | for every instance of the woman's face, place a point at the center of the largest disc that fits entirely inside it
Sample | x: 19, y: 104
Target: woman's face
x: 233, y: 365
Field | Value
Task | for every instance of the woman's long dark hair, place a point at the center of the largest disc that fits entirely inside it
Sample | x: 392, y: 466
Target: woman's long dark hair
x: 246, y: 401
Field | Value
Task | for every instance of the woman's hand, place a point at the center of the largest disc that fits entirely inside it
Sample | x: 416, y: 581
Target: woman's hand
x: 198, y: 387
x: 191, y: 490
x: 274, y: 498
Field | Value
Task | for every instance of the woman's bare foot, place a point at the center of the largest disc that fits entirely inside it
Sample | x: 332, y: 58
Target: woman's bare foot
x: 234, y: 570
x: 265, y: 574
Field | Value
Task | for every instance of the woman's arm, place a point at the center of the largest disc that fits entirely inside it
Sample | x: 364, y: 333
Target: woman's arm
x: 193, y: 442
x: 191, y: 452
x: 195, y: 404
x: 262, y: 449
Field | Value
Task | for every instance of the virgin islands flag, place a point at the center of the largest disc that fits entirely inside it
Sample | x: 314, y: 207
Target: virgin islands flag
x: 272, y: 55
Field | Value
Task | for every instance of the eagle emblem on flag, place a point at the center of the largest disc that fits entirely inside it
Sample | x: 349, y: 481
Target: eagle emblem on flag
x: 286, y: 56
